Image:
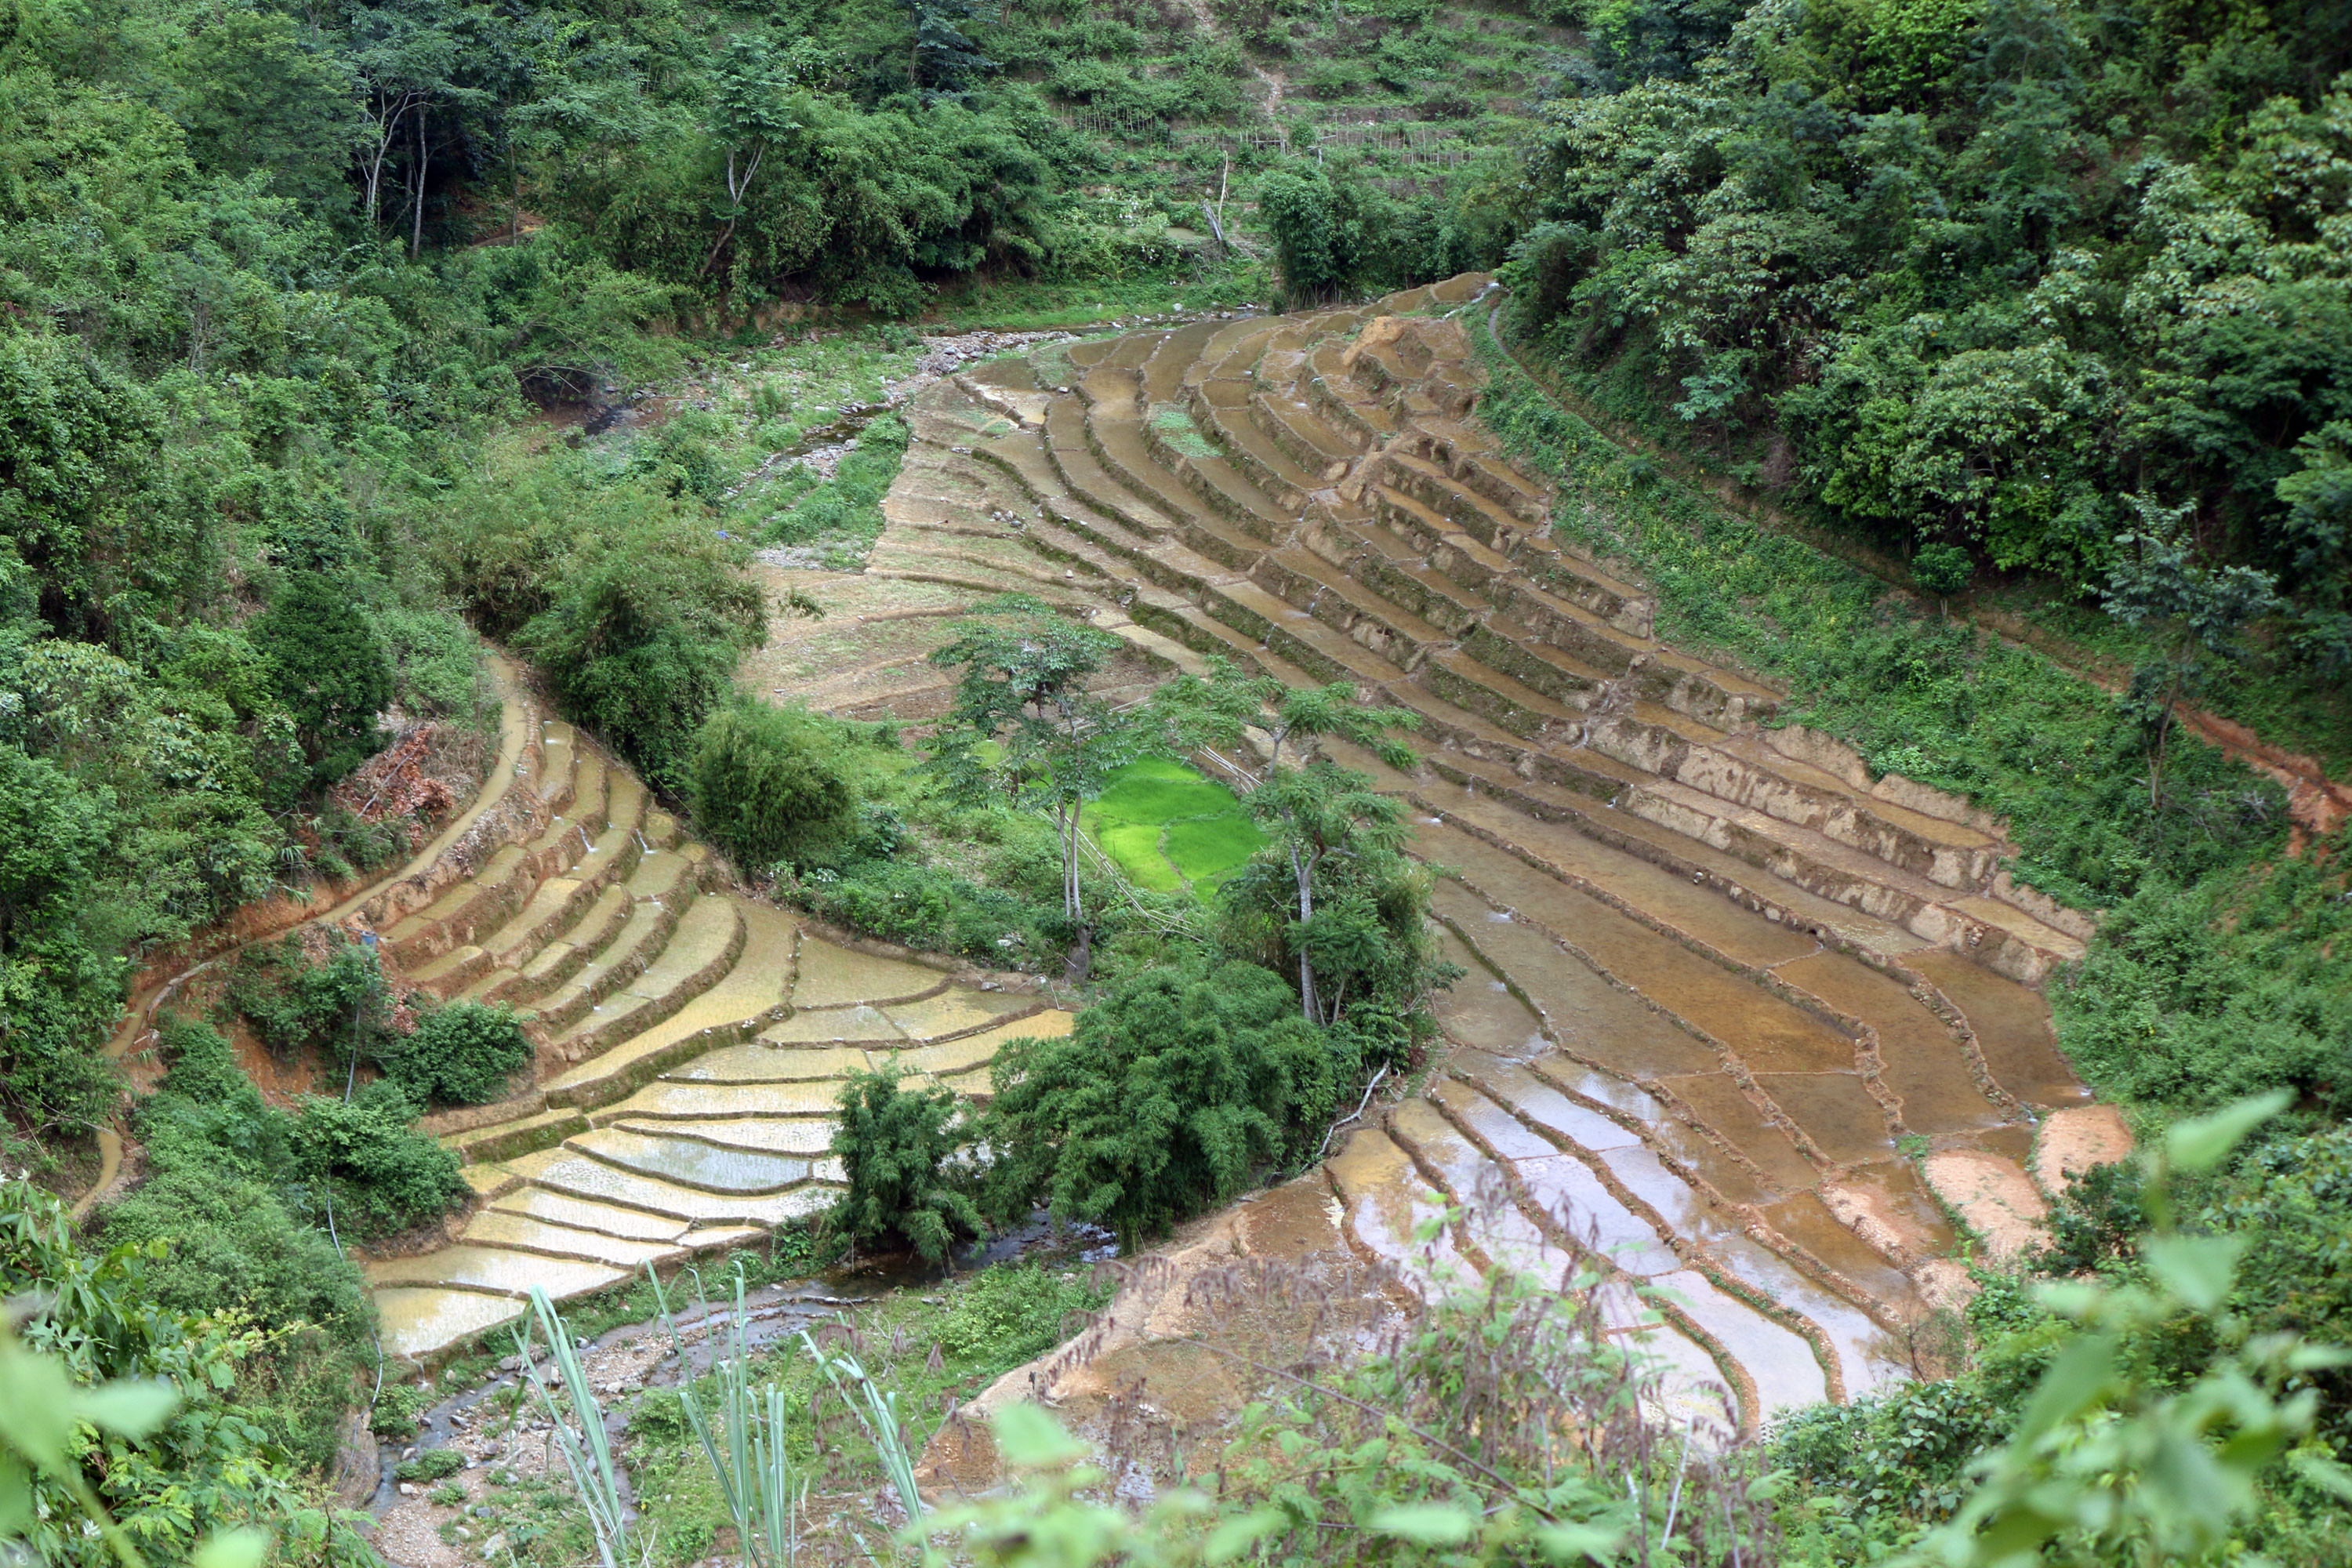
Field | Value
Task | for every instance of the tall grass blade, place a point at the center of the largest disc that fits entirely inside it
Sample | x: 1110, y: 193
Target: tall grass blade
x: 877, y: 1412
x: 747, y: 1454
x: 579, y: 1428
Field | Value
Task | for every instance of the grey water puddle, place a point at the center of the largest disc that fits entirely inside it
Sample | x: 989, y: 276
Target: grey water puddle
x: 623, y: 1361
x: 619, y: 1364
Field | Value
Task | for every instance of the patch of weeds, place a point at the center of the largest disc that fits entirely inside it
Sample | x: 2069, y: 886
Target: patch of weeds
x: 432, y: 1465
x: 930, y: 1344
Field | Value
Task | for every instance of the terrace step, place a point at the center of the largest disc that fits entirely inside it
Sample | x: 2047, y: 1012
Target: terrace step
x: 1715, y: 970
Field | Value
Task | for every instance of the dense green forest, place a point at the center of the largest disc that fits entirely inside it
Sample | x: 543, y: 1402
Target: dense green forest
x: 2047, y: 304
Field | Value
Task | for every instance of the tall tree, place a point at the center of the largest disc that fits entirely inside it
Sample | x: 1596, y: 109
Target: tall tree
x: 1026, y: 728
x: 754, y: 110
x: 1323, y: 818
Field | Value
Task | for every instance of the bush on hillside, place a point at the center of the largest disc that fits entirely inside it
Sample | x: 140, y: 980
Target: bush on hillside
x: 224, y: 1457
x: 642, y: 637
x: 1171, y: 1094
x: 895, y: 1144
x: 365, y: 1155
x: 463, y: 1054
x: 2192, y: 996
x: 333, y: 673
x: 773, y: 784
x: 239, y: 1231
x: 296, y: 1003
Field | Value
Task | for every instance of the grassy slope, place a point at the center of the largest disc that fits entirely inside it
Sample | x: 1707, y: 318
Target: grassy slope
x: 1169, y: 828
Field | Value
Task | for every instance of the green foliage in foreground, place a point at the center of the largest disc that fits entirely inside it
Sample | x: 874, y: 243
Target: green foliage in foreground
x: 174, y: 1459
x: 2142, y: 1416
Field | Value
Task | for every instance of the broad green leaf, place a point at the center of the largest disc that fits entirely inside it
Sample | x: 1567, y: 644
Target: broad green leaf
x: 1426, y: 1523
x: 2203, y: 1143
x: 234, y: 1549
x: 16, y: 1495
x: 128, y: 1409
x: 1572, y: 1543
x: 2196, y: 1268
x: 2330, y: 1476
x: 2078, y: 1376
x: 1236, y: 1536
x: 1032, y: 1440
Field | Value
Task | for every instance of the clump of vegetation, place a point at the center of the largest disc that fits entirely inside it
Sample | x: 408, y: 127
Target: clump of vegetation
x: 299, y: 1005
x: 1174, y: 1091
x: 641, y: 635
x: 844, y: 513
x: 461, y: 1054
x: 775, y: 785
x: 332, y: 671
x: 895, y: 1142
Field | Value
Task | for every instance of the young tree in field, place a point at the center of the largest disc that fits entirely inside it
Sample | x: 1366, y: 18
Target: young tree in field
x: 1336, y: 865
x: 1025, y: 729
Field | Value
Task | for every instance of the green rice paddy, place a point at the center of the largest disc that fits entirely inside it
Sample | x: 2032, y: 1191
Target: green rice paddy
x: 1169, y: 828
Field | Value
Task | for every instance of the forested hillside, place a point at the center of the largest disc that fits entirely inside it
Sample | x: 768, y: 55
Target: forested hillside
x: 339, y: 341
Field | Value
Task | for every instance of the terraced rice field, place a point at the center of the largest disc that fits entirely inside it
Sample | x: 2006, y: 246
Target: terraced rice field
x: 1717, y: 973
x: 690, y: 1040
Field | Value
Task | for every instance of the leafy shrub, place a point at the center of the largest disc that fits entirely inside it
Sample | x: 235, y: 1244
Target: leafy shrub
x: 1171, y: 1093
x: 382, y: 1175
x: 333, y: 674
x: 398, y: 1406
x: 431, y: 1465
x: 772, y: 783
x: 463, y: 1054
x: 1320, y: 234
x: 895, y: 1144
x: 437, y: 661
x: 1942, y: 569
x: 642, y: 635
x: 1006, y: 1315
x: 296, y: 1004
x: 2192, y: 996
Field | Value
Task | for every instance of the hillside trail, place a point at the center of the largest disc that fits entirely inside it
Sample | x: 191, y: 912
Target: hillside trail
x: 2317, y: 805
x: 1755, y: 1034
